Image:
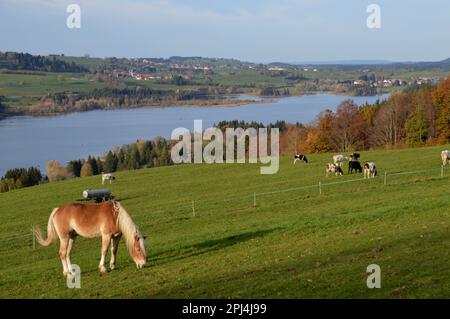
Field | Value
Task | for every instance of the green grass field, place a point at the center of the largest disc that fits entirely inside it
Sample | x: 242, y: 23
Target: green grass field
x: 26, y: 89
x: 294, y: 244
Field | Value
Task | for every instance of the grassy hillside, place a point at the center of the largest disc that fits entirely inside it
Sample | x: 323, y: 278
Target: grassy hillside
x: 295, y: 243
x: 27, y: 88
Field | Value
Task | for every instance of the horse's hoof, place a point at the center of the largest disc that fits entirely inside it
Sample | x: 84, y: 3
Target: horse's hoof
x: 112, y: 267
x: 103, y: 269
x: 65, y: 273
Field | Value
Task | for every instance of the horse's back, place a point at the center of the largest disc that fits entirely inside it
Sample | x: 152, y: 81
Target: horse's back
x: 79, y: 208
x: 87, y: 219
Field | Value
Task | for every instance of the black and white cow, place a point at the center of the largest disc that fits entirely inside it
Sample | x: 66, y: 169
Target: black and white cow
x: 354, y: 157
x: 338, y: 160
x: 370, y: 170
x: 333, y: 168
x: 300, y: 157
x: 108, y: 177
x: 354, y: 166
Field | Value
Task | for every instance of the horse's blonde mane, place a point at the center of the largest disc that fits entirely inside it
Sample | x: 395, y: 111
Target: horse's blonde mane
x: 126, y: 225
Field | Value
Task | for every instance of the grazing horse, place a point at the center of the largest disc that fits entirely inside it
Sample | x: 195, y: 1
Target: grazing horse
x: 445, y: 156
x: 300, y: 157
x: 109, y: 220
x: 354, y: 166
x: 354, y: 157
x: 338, y: 160
x: 108, y: 177
x: 333, y: 168
x: 370, y: 170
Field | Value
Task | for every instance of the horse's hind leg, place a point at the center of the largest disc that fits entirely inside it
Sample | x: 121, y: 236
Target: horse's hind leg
x: 114, y: 247
x: 63, y: 244
x: 69, y: 249
x: 105, y: 244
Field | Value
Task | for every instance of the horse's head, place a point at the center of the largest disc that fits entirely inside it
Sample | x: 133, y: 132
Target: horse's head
x: 139, y: 250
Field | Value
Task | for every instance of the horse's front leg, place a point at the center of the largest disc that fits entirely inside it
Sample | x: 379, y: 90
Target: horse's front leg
x: 105, y: 244
x: 114, y: 247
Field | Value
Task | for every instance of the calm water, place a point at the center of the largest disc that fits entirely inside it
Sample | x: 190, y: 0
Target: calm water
x: 32, y: 141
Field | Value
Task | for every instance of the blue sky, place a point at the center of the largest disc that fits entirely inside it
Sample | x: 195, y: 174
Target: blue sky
x: 252, y: 30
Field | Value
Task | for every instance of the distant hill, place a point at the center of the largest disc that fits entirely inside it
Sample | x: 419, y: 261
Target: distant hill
x: 198, y: 60
x: 445, y: 65
x: 61, y: 63
x: 345, y: 62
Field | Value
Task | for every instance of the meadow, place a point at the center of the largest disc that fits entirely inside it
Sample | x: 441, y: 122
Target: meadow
x: 295, y: 243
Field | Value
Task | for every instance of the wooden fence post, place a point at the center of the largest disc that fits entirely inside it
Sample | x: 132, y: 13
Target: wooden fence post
x: 254, y: 199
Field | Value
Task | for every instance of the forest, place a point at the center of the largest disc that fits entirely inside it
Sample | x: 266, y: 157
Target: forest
x: 25, y: 61
x: 418, y: 117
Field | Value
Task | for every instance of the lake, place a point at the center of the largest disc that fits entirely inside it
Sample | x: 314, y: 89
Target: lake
x: 32, y: 141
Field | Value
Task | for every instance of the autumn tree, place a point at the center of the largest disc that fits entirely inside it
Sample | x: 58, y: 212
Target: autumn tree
x: 389, y: 122
x: 293, y: 140
x: 57, y: 172
x: 86, y: 170
x: 441, y: 101
x: 319, y: 134
x: 348, y: 128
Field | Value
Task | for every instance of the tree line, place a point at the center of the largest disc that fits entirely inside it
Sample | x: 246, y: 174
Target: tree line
x: 20, y: 177
x: 417, y: 117
x: 113, y: 98
x: 223, y: 125
x: 272, y: 91
x: 142, y: 154
x: 25, y: 61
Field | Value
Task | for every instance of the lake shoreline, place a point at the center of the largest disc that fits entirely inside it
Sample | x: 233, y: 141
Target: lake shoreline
x: 258, y: 99
x: 192, y: 103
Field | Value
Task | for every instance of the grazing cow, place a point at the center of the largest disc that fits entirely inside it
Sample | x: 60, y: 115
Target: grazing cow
x: 338, y: 160
x: 354, y: 157
x: 370, y: 170
x: 300, y: 157
x: 333, y: 168
x: 445, y: 156
x: 108, y: 177
x: 354, y: 166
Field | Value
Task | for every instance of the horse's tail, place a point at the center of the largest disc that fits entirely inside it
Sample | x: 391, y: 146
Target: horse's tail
x: 51, y: 232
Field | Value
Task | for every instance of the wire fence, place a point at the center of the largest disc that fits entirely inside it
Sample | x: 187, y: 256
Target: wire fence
x: 320, y: 186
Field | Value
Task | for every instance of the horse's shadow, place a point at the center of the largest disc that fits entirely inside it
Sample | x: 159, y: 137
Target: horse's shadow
x: 206, y: 246
x: 167, y: 256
